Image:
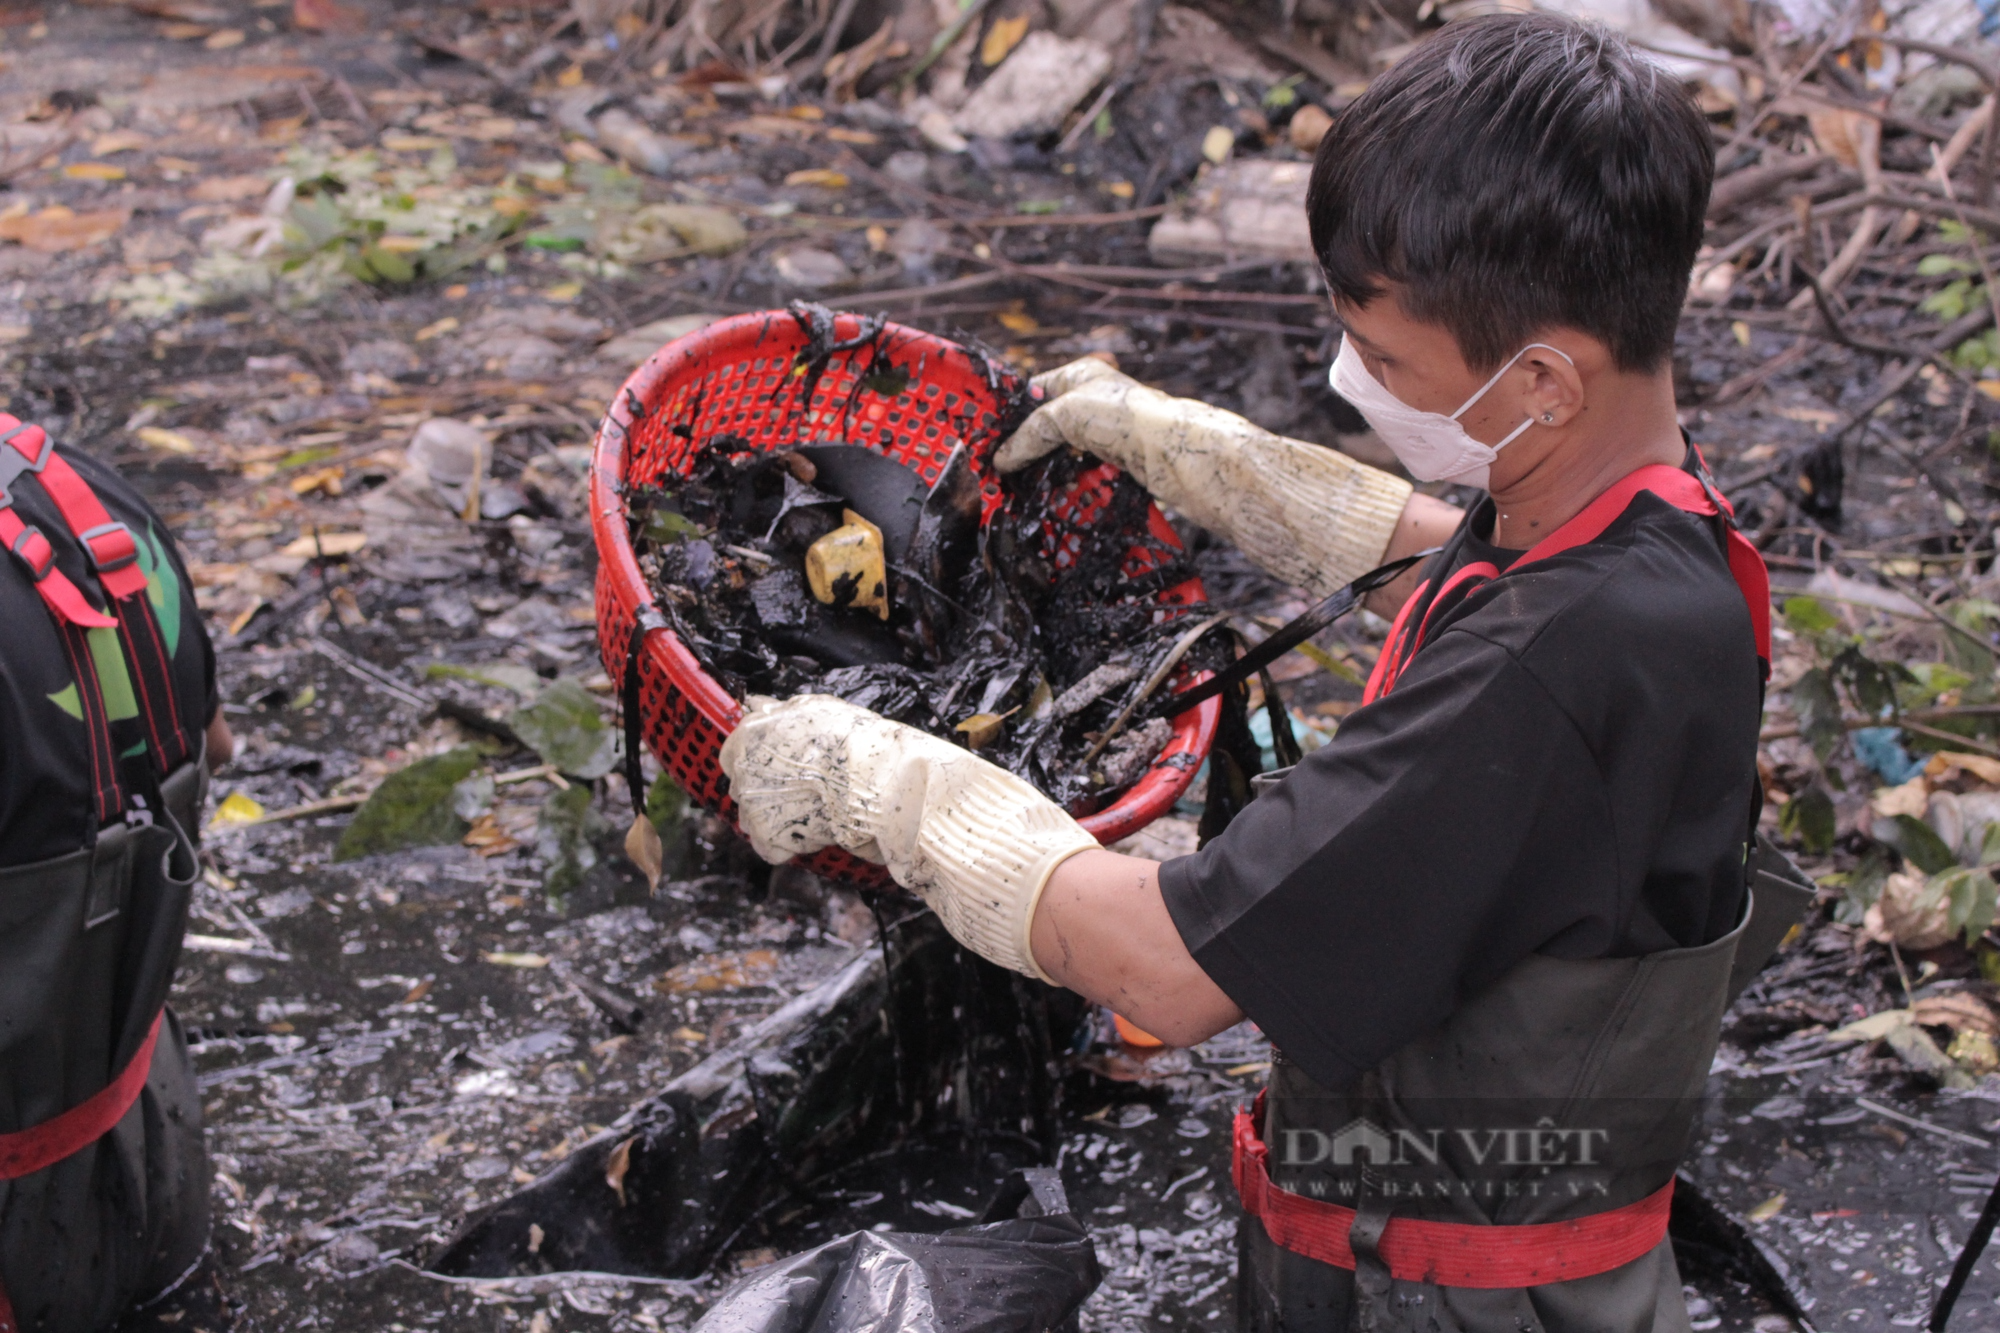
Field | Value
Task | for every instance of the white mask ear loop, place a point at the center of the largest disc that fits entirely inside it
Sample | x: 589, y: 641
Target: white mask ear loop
x: 1466, y: 406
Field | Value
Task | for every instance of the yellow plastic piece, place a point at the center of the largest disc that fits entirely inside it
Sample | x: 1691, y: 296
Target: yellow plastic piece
x: 847, y: 568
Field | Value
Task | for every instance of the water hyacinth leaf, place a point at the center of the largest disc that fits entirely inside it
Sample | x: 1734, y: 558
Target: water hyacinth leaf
x: 565, y: 729
x: 565, y: 840
x: 1809, y: 616
x: 1818, y: 711
x: 412, y: 808
x: 1918, y: 842
x: 1809, y: 817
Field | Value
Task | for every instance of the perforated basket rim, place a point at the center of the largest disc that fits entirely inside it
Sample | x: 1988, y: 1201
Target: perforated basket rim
x: 723, y: 341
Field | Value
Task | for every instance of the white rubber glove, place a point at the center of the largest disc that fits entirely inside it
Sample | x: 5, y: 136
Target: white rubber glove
x: 1312, y: 516
x: 972, y: 840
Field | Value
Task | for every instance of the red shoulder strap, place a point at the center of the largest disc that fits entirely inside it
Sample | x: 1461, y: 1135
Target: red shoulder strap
x: 31, y: 453
x: 113, y: 553
x: 1692, y: 492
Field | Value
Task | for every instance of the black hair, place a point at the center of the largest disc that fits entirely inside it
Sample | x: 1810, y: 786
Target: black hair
x: 1515, y: 174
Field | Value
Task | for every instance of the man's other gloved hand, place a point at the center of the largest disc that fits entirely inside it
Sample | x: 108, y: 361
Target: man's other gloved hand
x: 974, y: 841
x: 1312, y: 516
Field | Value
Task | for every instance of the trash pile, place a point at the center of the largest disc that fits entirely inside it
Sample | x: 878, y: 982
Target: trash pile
x: 829, y: 568
x: 349, y: 304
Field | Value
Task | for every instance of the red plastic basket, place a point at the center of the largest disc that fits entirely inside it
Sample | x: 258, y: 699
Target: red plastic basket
x: 741, y: 376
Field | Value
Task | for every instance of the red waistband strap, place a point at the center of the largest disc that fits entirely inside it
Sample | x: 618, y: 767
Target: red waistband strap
x: 27, y: 1151
x: 1449, y: 1254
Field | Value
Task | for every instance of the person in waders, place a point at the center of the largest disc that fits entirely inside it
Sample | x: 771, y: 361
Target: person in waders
x: 107, y: 707
x: 1491, y: 928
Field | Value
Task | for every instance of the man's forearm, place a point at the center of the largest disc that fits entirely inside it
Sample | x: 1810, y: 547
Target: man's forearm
x: 1102, y: 929
x: 1424, y: 523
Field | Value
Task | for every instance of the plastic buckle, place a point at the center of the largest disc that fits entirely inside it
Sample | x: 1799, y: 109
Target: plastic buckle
x: 127, y: 554
x: 15, y: 461
x: 42, y: 561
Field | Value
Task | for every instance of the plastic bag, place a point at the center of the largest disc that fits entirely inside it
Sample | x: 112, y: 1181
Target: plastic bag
x: 1021, y: 1276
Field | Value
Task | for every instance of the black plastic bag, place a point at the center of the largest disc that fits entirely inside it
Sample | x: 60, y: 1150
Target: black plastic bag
x: 1027, y: 1275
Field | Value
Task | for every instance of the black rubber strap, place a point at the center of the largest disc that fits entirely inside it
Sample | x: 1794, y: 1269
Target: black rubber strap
x: 648, y: 620
x: 1291, y: 636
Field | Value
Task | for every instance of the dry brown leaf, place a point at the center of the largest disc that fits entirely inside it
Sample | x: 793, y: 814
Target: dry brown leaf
x: 617, y: 1165
x: 820, y: 176
x: 230, y: 189
x: 1838, y: 133
x: 166, y: 441
x: 118, y: 141
x: 1958, y: 1011
x: 329, y: 544
x: 1001, y: 39
x: 1899, y: 916
x: 56, y: 228
x: 721, y: 971
x: 325, y: 16
x: 644, y: 849
x: 1980, y: 766
x: 186, y: 11
x: 488, y: 838
x: 1912, y: 799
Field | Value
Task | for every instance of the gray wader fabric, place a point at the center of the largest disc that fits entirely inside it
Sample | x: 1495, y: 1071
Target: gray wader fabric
x: 1567, y: 1088
x: 88, y: 946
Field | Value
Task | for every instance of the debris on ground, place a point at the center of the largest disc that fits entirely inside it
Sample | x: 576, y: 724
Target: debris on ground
x: 347, y: 289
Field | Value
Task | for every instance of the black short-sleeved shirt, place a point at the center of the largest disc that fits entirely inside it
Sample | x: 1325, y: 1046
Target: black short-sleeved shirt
x: 46, y: 802
x: 1565, y: 767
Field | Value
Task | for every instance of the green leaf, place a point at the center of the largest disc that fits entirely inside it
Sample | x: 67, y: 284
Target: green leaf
x: 666, y: 804
x: 503, y: 675
x: 1918, y: 842
x: 1989, y: 846
x: 1978, y: 353
x: 565, y: 729
x: 1871, y: 683
x: 1282, y: 93
x: 666, y: 809
x: 389, y: 266
x: 1809, y: 818
x: 412, y: 808
x: 1039, y: 206
x: 1930, y: 679
x: 1968, y: 895
x: 1809, y: 615
x: 1936, y: 266
x: 1859, y: 887
x: 564, y: 839
x: 1818, y: 711
x: 664, y: 527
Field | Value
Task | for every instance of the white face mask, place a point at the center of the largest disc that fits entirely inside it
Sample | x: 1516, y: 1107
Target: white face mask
x: 1433, y: 446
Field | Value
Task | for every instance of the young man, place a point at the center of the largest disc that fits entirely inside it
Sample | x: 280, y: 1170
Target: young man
x: 1491, y: 926
x: 107, y: 705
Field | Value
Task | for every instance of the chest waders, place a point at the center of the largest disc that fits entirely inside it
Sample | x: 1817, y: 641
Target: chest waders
x: 1512, y: 1169
x: 103, y: 1179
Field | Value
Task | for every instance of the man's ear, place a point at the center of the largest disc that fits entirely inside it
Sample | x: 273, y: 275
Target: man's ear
x: 1556, y: 367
